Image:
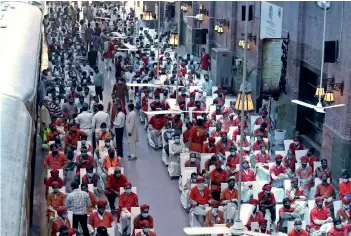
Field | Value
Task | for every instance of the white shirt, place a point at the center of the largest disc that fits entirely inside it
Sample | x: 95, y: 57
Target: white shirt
x: 99, y: 118
x: 119, y: 120
x: 87, y: 68
x: 84, y: 120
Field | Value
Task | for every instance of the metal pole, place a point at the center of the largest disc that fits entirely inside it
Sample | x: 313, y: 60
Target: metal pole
x: 322, y: 62
x: 178, y: 66
x: 135, y: 28
x: 158, y: 41
x: 242, y: 109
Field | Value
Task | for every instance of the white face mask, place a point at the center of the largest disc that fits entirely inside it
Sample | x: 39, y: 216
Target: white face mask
x: 296, y: 143
x: 215, y: 211
x: 146, y: 230
x: 201, y: 186
x: 298, y: 227
x: 144, y: 215
x: 90, y: 174
x: 232, y: 153
x: 192, y: 159
x: 128, y: 190
x: 339, y: 226
x: 345, y: 180
x: 346, y: 206
x: 177, y: 140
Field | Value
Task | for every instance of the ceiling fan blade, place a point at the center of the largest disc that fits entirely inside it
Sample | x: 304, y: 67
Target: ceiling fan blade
x: 206, y: 230
x: 320, y: 110
x: 303, y: 104
x: 339, y: 105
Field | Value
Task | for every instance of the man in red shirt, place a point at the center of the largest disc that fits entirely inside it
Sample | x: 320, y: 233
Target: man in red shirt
x: 197, y: 136
x: 263, y: 119
x: 229, y: 198
x: 319, y: 216
x: 345, y: 186
x: 232, y: 160
x: 256, y: 215
x: 339, y: 229
x: 257, y: 144
x: 344, y: 212
x: 127, y: 200
x: 286, y: 213
x: 191, y: 103
x: 298, y: 230
x: 186, y: 134
x: 101, y: 217
x: 210, y: 147
x: 267, y: 201
x: 296, y: 145
x: 224, y: 144
x: 54, y: 177
x: 278, y: 172
x: 289, y: 162
x: 83, y: 160
x: 114, y: 182
x: 217, y: 131
x: 325, y: 190
x: 238, y: 132
x: 197, y: 110
x: 262, y: 131
x: 247, y: 175
x: 217, y: 177
x: 205, y: 61
x: 193, y: 162
x: 156, y: 124
x: 200, y: 197
x: 55, y: 160
x: 157, y: 103
x: 73, y: 136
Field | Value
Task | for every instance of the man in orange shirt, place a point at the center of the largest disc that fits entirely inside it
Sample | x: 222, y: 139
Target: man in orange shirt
x: 55, y: 160
x: 54, y: 131
x: 83, y: 160
x: 296, y: 145
x: 200, y: 196
x: 319, y: 216
x: 156, y: 124
x: 214, y: 216
x: 257, y: 144
x: 102, y: 133
x: 345, y: 186
x: 262, y: 131
x: 127, y: 200
x: 344, y: 212
x: 61, y: 219
x: 197, y: 136
x: 146, y: 229
x: 298, y: 230
x: 229, y: 198
x: 101, y: 217
x: 286, y: 213
x: 54, y: 177
x: 267, y: 201
x: 217, y: 177
x: 311, y: 157
x: 186, y: 134
x: 114, y: 182
x: 111, y: 160
x: 93, y: 201
x: 326, y: 191
x: 217, y: 131
x: 210, y: 147
x: 263, y: 119
x: 72, y: 137
x: 232, y: 160
x: 224, y: 144
x: 144, y: 215
x: 55, y: 200
x: 305, y: 175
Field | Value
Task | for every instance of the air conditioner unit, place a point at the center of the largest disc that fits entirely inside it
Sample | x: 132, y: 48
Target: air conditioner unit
x: 221, y: 66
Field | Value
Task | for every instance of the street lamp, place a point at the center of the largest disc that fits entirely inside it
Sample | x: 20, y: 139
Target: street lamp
x: 148, y: 16
x: 173, y: 39
x: 244, y: 98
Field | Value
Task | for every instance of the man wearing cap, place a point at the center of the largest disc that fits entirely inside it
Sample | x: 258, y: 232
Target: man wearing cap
x: 224, y: 144
x: 210, y: 147
x: 200, y: 197
x: 61, y: 219
x: 92, y: 178
x: 55, y: 159
x: 323, y: 169
x: 263, y: 119
x: 286, y: 213
x: 73, y: 136
x: 339, y: 229
x: 84, y: 120
x: 191, y: 103
x: 247, y: 174
x: 217, y: 131
x: 289, y: 162
x: 262, y: 131
x: 54, y: 178
x: 345, y: 186
x: 114, y: 182
x: 297, y: 196
x: 232, y: 160
x: 55, y: 200
x: 267, y: 201
x: 156, y: 124
x: 263, y: 226
x: 214, y: 216
x: 101, y: 217
x: 256, y: 215
x: 229, y: 198
x: 146, y: 229
x: 217, y: 176
x: 157, y: 103
x: 325, y: 190
x: 344, y: 212
x: 305, y: 175
x: 296, y: 145
x: 197, y: 136
x: 262, y: 160
x: 127, y: 200
x: 83, y: 160
x: 256, y: 146
x: 53, y: 132
x: 144, y: 215
x: 319, y: 216
x: 278, y: 172
x: 193, y: 162
x: 297, y: 230
x: 93, y: 201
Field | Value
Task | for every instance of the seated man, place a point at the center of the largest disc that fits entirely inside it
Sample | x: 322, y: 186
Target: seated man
x: 156, y: 124
x: 297, y: 230
x: 247, y: 176
x: 169, y: 132
x: 263, y: 119
x: 184, y: 197
x: 262, y: 163
x: 144, y: 104
x: 157, y: 102
x: 257, y: 144
x: 55, y: 160
x: 339, y: 229
x: 101, y: 217
x: 60, y: 220
x: 198, y: 109
x: 267, y: 201
x: 83, y: 140
x: 286, y: 213
x: 191, y: 103
x: 53, y: 131
x: 110, y: 161
x: 104, y: 148
x: 305, y: 175
x: 232, y: 160
x: 200, y: 197
x: 289, y: 163
x: 297, y: 197
x: 174, y: 154
x: 55, y: 200
x: 237, y: 121
x: 326, y: 191
x: 312, y: 157
x: 223, y: 144
x: 73, y: 136
x: 210, y: 162
x: 114, y: 182
x: 186, y: 134
x: 344, y: 212
x: 323, y: 168
x: 65, y: 231
x: 262, y: 131
x: 246, y: 145
x: 92, y: 178
x: 229, y: 198
x: 83, y: 160
x: 210, y: 147
x: 214, y: 216
x: 54, y: 177
x: 127, y: 200
x: 217, y: 176
x: 226, y: 123
x: 319, y: 216
x: 256, y: 215
x: 278, y: 172
x: 144, y: 215
x: 296, y: 145
x: 102, y: 133
x: 238, y: 132
x: 193, y: 162
x: 145, y: 225
x: 217, y: 131
x: 345, y: 186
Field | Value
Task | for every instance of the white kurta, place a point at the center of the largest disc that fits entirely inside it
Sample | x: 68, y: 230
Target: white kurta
x: 131, y: 128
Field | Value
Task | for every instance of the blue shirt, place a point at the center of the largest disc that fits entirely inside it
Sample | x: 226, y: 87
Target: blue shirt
x: 99, y: 79
x: 207, y: 86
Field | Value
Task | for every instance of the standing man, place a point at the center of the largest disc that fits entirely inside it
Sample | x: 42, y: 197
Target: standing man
x: 99, y: 82
x: 78, y: 202
x: 132, y: 132
x: 45, y: 119
x: 87, y: 34
x: 121, y: 90
x: 119, y: 128
x: 118, y: 68
x: 205, y: 62
x: 92, y: 55
x: 84, y: 120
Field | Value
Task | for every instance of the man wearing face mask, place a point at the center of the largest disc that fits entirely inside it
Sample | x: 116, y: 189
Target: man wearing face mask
x: 305, y: 175
x: 217, y: 112
x: 262, y: 160
x: 157, y: 103
x: 325, y: 190
x: 344, y: 212
x: 114, y: 182
x: 345, y: 186
x: 184, y: 197
x: 323, y: 168
x: 246, y: 145
x: 229, y: 198
x: 297, y: 197
x: 319, y: 216
x: 102, y: 133
x: 296, y: 145
x: 93, y: 201
x: 174, y: 155
x: 217, y: 131
x: 267, y: 201
x: 186, y: 134
x: 146, y: 231
x: 286, y: 213
x: 225, y: 121
x: 127, y: 200
x: 110, y: 161
x: 156, y: 124
x: 237, y: 121
x: 73, y: 136
x: 298, y: 230
x: 339, y: 229
x: 200, y: 196
x: 144, y: 215
x: 289, y: 162
x: 69, y: 107
x: 121, y: 90
x: 197, y: 136
x: 238, y: 132
x: 278, y: 172
x: 83, y: 160
x: 55, y: 200
x: 214, y: 216
x: 60, y: 220
x: 262, y: 131
x: 207, y: 85
x: 193, y: 162
x: 263, y: 119
x: 232, y: 160
x: 54, y: 131
x: 54, y: 178
x: 217, y: 176
x: 84, y: 120
x: 169, y: 132
x: 92, y: 178
x: 259, y: 141
x: 101, y: 217
x: 55, y: 159
x: 197, y: 111
x: 192, y: 103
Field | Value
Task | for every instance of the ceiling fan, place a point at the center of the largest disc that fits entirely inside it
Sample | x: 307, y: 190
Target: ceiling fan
x: 199, y: 17
x: 318, y: 108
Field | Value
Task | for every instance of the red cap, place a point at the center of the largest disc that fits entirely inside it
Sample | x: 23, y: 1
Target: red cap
x: 211, y: 139
x: 144, y: 207
x: 54, y: 172
x: 304, y: 159
x: 200, y: 179
x: 267, y: 187
x: 264, y: 113
x: 245, y: 161
x: 218, y: 162
x: 319, y: 199
x: 223, y: 133
x: 55, y: 183
x: 254, y: 202
x: 278, y: 157
x: 296, y: 139
x: 323, y: 173
x: 192, y: 94
x: 101, y: 203
x: 215, y: 203
x: 294, y: 180
x: 346, y: 200
x: 128, y: 184
x: 61, y: 210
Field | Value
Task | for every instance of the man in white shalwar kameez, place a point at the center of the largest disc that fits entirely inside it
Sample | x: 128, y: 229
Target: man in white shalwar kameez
x: 132, y: 132
x: 174, y: 155
x: 184, y: 197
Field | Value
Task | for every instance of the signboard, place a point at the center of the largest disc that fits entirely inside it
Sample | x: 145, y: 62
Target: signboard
x: 271, y: 21
x: 271, y: 65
